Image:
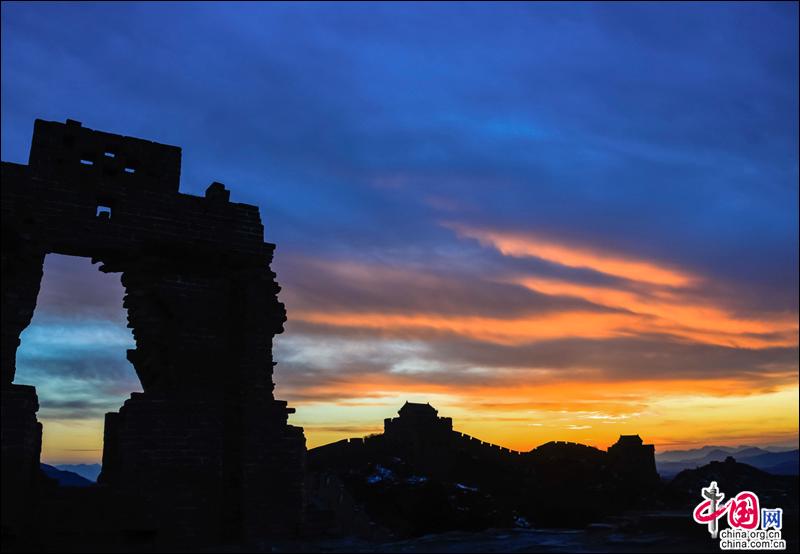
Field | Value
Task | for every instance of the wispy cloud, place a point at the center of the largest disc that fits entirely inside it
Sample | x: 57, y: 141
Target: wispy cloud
x: 608, y: 262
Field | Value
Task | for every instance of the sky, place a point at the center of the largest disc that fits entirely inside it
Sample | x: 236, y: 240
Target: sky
x: 550, y: 221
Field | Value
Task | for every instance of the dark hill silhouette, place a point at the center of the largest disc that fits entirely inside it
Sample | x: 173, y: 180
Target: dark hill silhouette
x: 783, y: 468
x: 733, y: 477
x: 420, y: 476
x: 87, y: 471
x: 65, y: 478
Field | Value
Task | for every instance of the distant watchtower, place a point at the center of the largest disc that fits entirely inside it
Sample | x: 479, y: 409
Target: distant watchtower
x: 416, y: 411
x: 633, y: 460
x: 418, y: 423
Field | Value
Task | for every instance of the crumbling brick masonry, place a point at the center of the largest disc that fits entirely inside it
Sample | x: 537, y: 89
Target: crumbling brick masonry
x: 206, y: 446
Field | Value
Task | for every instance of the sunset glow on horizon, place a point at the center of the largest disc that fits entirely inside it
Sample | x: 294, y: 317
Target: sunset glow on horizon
x: 565, y: 399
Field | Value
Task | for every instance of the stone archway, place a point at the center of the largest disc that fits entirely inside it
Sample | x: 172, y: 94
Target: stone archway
x: 206, y: 442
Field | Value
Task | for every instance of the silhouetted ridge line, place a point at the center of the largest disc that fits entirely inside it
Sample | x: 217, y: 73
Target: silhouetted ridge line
x: 420, y: 460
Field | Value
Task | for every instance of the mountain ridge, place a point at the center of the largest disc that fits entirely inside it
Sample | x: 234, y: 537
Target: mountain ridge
x: 65, y: 478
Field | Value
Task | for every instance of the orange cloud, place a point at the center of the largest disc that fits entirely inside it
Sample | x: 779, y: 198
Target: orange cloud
x: 514, y: 331
x: 522, y: 245
x: 677, y: 314
x: 522, y: 414
x: 664, y: 305
x: 523, y: 406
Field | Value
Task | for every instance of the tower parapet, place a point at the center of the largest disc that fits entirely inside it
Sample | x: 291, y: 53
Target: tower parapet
x: 417, y: 422
x: 631, y: 458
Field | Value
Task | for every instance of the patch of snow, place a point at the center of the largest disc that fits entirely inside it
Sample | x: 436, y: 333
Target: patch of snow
x: 520, y: 521
x: 466, y: 488
x: 381, y: 474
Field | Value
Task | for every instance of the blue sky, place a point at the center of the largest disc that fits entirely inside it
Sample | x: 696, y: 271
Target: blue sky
x: 450, y: 162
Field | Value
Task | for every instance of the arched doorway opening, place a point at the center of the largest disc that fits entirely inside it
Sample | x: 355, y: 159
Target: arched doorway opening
x: 74, y: 352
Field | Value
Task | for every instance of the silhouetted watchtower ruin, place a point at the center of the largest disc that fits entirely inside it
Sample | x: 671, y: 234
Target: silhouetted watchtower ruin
x: 417, y: 422
x: 206, y: 447
x: 635, y: 461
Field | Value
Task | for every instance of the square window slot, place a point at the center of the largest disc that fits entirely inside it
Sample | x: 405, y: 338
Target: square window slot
x: 103, y: 212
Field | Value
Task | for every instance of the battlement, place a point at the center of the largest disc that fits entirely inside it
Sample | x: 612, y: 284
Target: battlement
x: 631, y: 444
x: 82, y: 155
x: 417, y: 420
x: 631, y: 457
x: 554, y: 444
x: 476, y: 448
x: 92, y: 193
x: 419, y: 425
x: 634, y: 440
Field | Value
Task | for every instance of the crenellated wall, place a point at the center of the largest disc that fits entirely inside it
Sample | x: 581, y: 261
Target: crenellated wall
x: 419, y: 462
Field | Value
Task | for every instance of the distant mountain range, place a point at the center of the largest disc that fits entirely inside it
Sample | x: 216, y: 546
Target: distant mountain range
x: 87, y: 471
x: 731, y: 477
x: 697, y: 453
x: 771, y: 460
x: 65, y: 478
